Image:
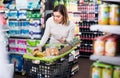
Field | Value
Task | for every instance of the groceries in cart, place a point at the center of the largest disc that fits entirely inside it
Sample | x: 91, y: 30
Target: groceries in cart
x: 36, y: 53
x: 54, y: 50
x: 46, y: 53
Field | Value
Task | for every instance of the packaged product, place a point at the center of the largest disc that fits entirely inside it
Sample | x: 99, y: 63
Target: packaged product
x: 112, y: 45
x: 107, y: 71
x: 116, y: 72
x: 99, y: 44
x: 103, y: 14
x: 114, y: 14
x: 96, y: 70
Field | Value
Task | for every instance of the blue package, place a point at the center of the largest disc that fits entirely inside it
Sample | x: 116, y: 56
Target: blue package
x: 17, y: 60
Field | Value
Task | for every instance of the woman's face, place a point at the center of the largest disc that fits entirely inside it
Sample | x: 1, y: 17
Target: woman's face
x: 58, y: 17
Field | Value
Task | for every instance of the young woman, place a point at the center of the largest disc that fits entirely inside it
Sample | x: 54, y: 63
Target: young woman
x: 58, y: 28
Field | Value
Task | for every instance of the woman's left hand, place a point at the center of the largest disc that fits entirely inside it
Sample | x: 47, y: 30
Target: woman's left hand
x: 62, y: 40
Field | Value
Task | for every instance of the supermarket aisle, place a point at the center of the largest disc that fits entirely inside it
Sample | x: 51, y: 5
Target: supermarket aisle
x: 84, y: 71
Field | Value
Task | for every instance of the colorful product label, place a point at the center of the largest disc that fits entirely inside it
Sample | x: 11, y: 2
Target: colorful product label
x: 96, y: 72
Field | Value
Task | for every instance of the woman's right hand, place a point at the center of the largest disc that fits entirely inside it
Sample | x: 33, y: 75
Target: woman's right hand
x: 62, y: 40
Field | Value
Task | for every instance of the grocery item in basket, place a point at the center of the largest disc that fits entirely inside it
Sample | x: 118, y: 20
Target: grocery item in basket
x: 65, y: 49
x: 51, y: 52
x: 36, y: 53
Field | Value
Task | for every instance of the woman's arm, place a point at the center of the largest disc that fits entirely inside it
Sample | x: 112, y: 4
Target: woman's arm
x: 71, y: 33
x: 44, y: 37
x: 46, y: 33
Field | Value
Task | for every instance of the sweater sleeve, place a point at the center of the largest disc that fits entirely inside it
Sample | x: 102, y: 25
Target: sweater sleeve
x: 71, y: 32
x: 46, y: 34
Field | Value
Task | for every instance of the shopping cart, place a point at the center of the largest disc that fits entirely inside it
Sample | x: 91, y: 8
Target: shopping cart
x: 56, y: 67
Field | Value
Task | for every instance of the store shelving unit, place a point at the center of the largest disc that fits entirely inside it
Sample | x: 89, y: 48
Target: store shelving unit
x: 115, y: 1
x: 114, y: 29
x: 25, y: 27
x: 89, y: 16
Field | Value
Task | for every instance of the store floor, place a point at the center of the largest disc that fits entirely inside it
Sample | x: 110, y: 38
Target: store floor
x: 84, y: 72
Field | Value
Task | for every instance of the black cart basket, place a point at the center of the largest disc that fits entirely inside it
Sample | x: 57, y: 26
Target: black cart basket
x: 57, y: 67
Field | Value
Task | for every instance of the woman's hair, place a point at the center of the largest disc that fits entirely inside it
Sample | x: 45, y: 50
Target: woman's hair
x: 63, y: 10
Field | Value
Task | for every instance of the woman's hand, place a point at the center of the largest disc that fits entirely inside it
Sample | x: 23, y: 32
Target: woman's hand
x: 62, y: 40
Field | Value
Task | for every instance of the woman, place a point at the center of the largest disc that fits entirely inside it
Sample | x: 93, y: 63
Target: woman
x: 58, y: 28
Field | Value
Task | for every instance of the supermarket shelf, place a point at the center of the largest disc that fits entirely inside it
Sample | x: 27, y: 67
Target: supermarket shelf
x: 16, y: 53
x: 4, y: 28
x: 106, y: 59
x: 118, y: 1
x: 115, y: 29
x: 23, y: 37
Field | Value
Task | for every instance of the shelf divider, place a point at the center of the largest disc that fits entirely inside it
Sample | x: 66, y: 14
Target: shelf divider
x: 115, y: 29
x: 106, y: 59
x: 116, y: 1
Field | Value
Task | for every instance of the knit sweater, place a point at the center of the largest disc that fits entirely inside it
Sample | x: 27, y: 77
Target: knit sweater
x: 56, y: 31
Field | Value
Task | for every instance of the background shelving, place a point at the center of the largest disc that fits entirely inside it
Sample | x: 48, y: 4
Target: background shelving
x: 25, y: 28
x: 114, y: 29
x: 88, y: 12
x: 111, y: 29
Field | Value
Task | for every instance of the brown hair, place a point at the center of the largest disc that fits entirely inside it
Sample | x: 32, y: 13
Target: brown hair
x: 63, y: 10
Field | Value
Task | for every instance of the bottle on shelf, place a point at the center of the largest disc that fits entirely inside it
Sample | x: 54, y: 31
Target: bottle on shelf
x: 114, y: 14
x: 96, y: 71
x: 107, y: 71
x: 103, y: 14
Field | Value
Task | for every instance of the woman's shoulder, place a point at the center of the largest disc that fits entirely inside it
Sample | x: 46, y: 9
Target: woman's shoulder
x: 71, y: 23
x: 50, y: 19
